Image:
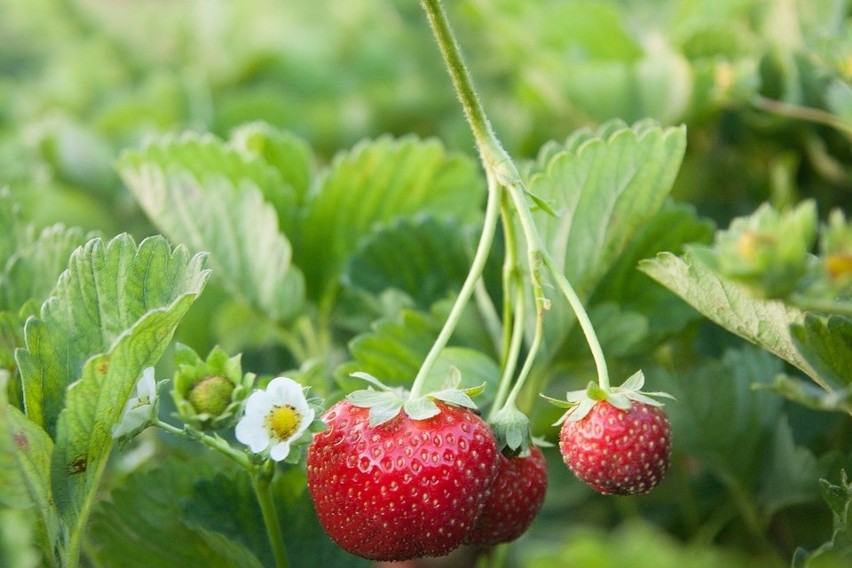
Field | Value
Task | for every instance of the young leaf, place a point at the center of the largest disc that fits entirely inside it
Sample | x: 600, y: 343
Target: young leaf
x: 606, y: 188
x: 377, y: 182
x: 791, y: 473
x: 208, y: 196
x: 765, y: 323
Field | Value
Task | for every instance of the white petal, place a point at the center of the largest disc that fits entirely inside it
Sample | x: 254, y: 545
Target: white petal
x: 280, y: 451
x: 147, y: 385
x: 284, y: 390
x: 251, y: 435
x: 259, y: 403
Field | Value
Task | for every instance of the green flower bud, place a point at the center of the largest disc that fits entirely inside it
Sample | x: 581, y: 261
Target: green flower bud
x: 209, y: 393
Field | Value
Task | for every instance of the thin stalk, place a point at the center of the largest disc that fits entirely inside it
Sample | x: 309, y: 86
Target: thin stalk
x: 535, y: 242
x: 263, y: 490
x: 511, y: 361
x: 541, y: 306
x: 214, y: 443
x: 489, y: 314
x: 489, y: 227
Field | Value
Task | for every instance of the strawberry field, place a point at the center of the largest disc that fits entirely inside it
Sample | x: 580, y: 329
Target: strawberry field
x: 470, y: 283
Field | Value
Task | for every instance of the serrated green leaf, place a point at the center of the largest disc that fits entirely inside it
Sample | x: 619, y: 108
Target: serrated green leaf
x: 826, y: 343
x: 32, y: 271
x: 765, y: 323
x: 16, y: 233
x: 374, y: 183
x: 206, y: 195
x: 730, y: 433
x: 424, y: 257
x: 636, y: 293
x: 421, y: 408
x: 606, y: 188
x: 791, y: 473
x: 112, y: 314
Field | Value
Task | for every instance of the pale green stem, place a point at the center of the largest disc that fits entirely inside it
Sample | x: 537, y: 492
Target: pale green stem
x: 214, y: 443
x: 263, y: 490
x: 75, y: 540
x: 541, y: 306
x: 489, y: 314
x: 489, y: 226
x: 537, y: 247
x: 511, y: 360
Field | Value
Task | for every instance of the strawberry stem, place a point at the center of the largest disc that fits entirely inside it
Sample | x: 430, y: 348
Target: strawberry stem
x: 501, y: 173
x: 489, y: 227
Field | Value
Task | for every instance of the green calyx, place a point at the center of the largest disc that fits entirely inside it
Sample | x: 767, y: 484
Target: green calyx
x: 580, y: 402
x: 209, y: 393
x: 512, y: 430
x: 384, y: 403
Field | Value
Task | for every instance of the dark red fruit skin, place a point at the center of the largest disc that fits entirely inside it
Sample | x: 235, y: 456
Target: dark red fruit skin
x: 403, y: 489
x: 516, y: 498
x: 618, y: 452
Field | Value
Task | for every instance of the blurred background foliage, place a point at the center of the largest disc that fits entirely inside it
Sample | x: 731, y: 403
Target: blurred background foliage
x: 764, y: 87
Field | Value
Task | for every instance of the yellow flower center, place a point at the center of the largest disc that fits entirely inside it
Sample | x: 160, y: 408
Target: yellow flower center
x: 283, y: 421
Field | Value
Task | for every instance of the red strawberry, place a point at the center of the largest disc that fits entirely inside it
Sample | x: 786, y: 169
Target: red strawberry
x: 516, y: 498
x: 405, y: 488
x: 618, y: 452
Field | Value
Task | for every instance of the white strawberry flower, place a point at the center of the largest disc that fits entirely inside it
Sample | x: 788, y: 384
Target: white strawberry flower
x: 275, y: 418
x: 140, y: 408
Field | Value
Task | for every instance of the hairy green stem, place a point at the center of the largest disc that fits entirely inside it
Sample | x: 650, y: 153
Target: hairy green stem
x: 489, y: 227
x: 510, y: 362
x: 214, y: 443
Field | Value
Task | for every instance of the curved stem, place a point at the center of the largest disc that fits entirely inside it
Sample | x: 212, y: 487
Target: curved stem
x: 511, y: 360
x: 214, y: 443
x: 489, y: 227
x: 533, y: 237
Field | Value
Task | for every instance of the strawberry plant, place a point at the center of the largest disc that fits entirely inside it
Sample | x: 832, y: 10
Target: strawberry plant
x: 504, y: 283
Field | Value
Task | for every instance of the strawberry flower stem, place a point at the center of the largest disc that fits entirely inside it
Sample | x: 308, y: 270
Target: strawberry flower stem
x: 262, y: 483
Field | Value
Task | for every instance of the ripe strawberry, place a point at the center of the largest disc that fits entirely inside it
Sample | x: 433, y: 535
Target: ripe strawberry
x: 618, y: 452
x: 516, y: 498
x: 405, y: 488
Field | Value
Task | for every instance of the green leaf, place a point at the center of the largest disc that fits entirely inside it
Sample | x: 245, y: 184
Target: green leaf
x: 607, y: 188
x: 25, y: 454
x: 790, y: 476
x: 202, y: 193
x: 826, y: 343
x: 673, y: 226
x: 810, y: 395
x: 420, y: 408
x: 16, y: 538
x: 424, y: 257
x: 143, y: 523
x: 765, y: 323
x: 16, y: 232
x: 112, y: 314
x: 729, y: 433
x: 32, y: 271
x: 374, y: 183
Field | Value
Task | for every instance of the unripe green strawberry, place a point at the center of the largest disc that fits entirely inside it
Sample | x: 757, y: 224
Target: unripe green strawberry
x: 618, y: 452
x: 516, y: 498
x: 402, y: 489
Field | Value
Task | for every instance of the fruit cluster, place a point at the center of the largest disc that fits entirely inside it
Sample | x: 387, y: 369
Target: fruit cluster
x: 408, y: 488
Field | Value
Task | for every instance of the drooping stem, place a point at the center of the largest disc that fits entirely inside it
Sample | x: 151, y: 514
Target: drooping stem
x: 214, y: 443
x: 534, y: 239
x: 489, y: 227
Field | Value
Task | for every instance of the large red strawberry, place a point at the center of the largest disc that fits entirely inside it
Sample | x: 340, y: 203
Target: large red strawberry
x: 618, y: 452
x: 516, y: 498
x: 402, y: 489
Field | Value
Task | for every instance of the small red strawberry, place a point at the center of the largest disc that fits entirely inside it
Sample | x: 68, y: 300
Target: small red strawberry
x: 516, y: 498
x: 402, y: 488
x: 618, y: 452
